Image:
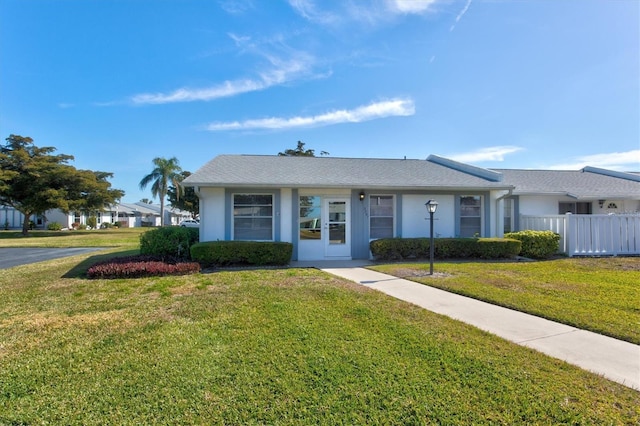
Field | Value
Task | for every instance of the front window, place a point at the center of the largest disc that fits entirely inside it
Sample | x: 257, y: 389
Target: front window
x: 310, y: 218
x: 380, y: 216
x: 508, y: 207
x: 253, y: 217
x: 470, y: 216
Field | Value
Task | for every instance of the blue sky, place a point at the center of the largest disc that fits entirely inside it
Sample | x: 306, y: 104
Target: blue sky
x: 503, y: 84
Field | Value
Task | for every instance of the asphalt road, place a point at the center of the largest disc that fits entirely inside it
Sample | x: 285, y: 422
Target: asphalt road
x: 14, y: 256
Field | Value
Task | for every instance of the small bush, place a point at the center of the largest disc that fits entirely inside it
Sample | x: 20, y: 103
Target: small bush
x: 54, y: 226
x: 169, y: 242
x: 92, y: 222
x: 537, y: 244
x: 224, y: 253
x: 140, y: 266
x: 444, y: 248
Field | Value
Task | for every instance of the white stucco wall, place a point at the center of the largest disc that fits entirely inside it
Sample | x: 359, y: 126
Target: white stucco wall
x: 415, y: 218
x: 540, y: 205
x: 621, y: 206
x: 212, y: 214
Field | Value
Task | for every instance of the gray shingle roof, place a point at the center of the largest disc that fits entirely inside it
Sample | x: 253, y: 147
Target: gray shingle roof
x: 434, y: 173
x: 332, y: 172
x: 588, y: 183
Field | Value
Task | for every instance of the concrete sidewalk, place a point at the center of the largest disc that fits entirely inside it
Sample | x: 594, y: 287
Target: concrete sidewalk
x: 614, y: 359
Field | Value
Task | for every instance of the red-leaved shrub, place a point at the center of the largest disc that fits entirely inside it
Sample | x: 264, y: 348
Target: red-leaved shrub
x: 140, y: 266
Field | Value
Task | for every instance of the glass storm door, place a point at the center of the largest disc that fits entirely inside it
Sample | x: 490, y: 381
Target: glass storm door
x: 337, y: 235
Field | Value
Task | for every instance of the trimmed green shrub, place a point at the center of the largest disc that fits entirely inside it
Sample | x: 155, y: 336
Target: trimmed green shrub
x: 54, y: 226
x: 537, y: 244
x: 224, y: 253
x: 92, y: 222
x: 169, y: 242
x: 444, y: 248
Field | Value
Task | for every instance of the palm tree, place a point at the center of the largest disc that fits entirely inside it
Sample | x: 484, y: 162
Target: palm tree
x: 165, y: 172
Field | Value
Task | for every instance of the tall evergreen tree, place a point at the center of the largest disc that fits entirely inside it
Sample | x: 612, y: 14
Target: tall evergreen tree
x: 165, y: 172
x: 184, y: 198
x: 299, y: 151
x: 33, y: 180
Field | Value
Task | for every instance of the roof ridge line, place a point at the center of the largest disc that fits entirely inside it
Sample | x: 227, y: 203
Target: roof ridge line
x: 480, y: 172
x: 611, y: 173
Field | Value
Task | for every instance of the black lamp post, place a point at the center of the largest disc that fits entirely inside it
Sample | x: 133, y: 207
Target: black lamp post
x: 432, y: 206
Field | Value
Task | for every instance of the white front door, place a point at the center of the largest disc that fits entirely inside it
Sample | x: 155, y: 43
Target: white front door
x: 336, y: 220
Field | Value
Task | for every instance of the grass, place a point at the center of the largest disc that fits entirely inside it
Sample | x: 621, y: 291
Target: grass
x: 277, y: 346
x: 112, y: 237
x: 597, y: 294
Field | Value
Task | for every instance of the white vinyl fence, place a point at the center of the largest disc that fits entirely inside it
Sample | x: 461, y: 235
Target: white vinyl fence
x: 590, y: 235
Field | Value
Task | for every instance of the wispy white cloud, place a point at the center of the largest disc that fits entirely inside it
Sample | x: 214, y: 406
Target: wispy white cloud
x: 620, y: 161
x: 411, y: 6
x: 373, y: 111
x: 460, y: 15
x: 310, y: 11
x: 492, y: 153
x: 281, y: 72
x: 236, y: 7
x: 371, y: 13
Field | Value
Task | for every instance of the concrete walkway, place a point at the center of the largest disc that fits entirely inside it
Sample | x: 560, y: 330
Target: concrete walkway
x: 614, y: 359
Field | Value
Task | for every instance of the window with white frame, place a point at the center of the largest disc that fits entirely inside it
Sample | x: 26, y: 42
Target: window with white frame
x: 508, y: 215
x: 381, y: 216
x: 253, y: 217
x: 470, y: 216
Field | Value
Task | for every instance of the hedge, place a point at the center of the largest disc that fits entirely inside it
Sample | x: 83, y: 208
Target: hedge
x: 169, y: 242
x: 452, y: 248
x: 537, y: 244
x: 225, y: 253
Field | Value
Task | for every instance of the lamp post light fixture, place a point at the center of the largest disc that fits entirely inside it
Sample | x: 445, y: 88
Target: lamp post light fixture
x: 432, y: 206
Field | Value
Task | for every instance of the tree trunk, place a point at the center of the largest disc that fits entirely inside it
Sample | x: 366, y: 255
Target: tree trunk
x: 162, y: 209
x: 25, y: 223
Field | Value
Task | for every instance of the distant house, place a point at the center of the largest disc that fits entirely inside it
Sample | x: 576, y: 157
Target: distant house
x: 128, y: 215
x: 595, y: 211
x: 331, y: 208
x: 11, y: 218
x: 587, y: 191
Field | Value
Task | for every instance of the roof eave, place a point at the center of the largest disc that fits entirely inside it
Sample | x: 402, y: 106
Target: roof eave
x: 354, y: 186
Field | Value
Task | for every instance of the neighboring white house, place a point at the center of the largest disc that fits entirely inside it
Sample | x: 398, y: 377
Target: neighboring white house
x: 595, y: 211
x: 590, y: 191
x: 331, y: 208
x: 128, y: 215
x: 10, y: 218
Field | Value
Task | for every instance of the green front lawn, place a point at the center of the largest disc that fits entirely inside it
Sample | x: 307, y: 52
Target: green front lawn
x: 287, y: 346
x: 597, y: 294
x: 119, y: 237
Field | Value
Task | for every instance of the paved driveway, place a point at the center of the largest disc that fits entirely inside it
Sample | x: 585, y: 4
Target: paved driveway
x: 10, y: 257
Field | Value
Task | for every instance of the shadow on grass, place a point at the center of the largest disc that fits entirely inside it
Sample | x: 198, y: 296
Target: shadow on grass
x: 80, y: 270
